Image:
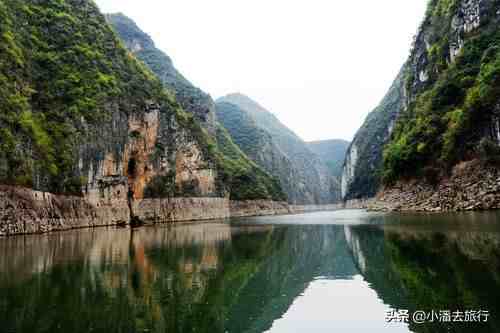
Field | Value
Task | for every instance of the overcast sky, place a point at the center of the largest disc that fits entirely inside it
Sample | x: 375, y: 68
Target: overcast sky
x: 319, y: 65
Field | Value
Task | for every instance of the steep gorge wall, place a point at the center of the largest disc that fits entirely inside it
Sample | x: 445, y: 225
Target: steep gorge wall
x: 442, y: 108
x: 332, y: 153
x: 244, y: 179
x: 88, y: 134
x: 88, y: 119
x: 191, y: 98
x: 364, y: 158
x: 305, y: 178
x: 445, y: 150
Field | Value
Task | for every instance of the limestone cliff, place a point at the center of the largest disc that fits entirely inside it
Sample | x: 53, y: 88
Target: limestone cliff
x: 361, y: 172
x: 88, y: 133
x: 246, y: 179
x: 83, y: 117
x: 191, y: 98
x: 305, y: 178
x: 452, y: 92
x: 447, y: 109
x: 447, y: 136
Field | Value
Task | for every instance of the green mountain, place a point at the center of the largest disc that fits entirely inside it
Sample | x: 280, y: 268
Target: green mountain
x: 442, y: 109
x: 241, y: 171
x: 361, y: 171
x: 81, y: 115
x: 332, y: 152
x: 452, y: 91
x: 191, y: 98
x: 302, y: 174
x: 260, y: 147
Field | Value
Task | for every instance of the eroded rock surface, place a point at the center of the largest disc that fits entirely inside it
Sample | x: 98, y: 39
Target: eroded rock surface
x: 470, y: 187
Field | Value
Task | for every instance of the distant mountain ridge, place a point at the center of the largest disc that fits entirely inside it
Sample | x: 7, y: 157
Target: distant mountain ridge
x: 332, y: 152
x: 304, y: 176
x: 259, y: 136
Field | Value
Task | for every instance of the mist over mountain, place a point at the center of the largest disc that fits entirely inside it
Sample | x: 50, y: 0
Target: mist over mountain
x: 331, y: 152
x: 304, y: 176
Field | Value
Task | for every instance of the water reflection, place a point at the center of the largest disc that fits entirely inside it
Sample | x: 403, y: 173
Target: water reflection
x: 316, y: 272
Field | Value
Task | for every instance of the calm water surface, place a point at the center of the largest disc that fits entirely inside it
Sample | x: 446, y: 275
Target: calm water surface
x: 321, y: 272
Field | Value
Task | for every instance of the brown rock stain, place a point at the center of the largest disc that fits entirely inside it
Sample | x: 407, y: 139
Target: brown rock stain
x: 138, y: 167
x: 109, y: 166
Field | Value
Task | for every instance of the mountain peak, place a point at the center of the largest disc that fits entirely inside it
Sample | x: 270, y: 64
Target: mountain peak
x: 243, y: 101
x: 137, y: 40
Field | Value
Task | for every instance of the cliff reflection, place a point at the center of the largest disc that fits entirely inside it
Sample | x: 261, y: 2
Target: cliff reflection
x: 151, y: 279
x: 243, y: 278
x: 433, y: 267
x: 203, y: 278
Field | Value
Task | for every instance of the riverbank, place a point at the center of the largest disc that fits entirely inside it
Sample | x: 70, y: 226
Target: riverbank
x: 471, y: 186
x: 25, y: 211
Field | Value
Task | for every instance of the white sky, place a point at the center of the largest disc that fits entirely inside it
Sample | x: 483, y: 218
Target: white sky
x: 319, y: 65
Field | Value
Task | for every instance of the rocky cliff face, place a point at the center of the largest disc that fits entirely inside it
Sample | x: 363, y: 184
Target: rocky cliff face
x: 361, y: 172
x: 471, y: 186
x: 447, y: 108
x: 258, y: 145
x: 452, y: 91
x: 84, y: 120
x: 87, y: 118
x: 247, y: 180
x: 304, y: 177
x: 191, y: 98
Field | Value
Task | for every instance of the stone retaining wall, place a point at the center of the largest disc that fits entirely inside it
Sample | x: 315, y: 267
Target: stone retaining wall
x: 24, y: 211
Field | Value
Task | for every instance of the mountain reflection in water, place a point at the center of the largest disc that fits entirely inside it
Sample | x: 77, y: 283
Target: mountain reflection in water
x: 320, y: 272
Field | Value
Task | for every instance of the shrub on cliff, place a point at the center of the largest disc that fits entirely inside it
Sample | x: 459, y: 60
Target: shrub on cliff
x: 236, y: 172
x: 61, y: 70
x: 450, y: 112
x: 68, y: 86
x: 489, y: 152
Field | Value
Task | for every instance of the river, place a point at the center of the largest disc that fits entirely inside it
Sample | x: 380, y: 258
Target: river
x: 342, y: 271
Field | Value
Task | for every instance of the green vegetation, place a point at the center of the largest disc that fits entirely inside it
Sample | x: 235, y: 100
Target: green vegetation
x: 489, y: 152
x: 236, y: 172
x: 192, y: 99
x: 64, y: 78
x: 452, y: 112
x: 274, y: 147
x: 246, y: 180
x: 244, y: 131
x: 372, y: 136
x: 332, y: 152
x: 440, y: 11
x: 59, y: 76
x: 238, y: 175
